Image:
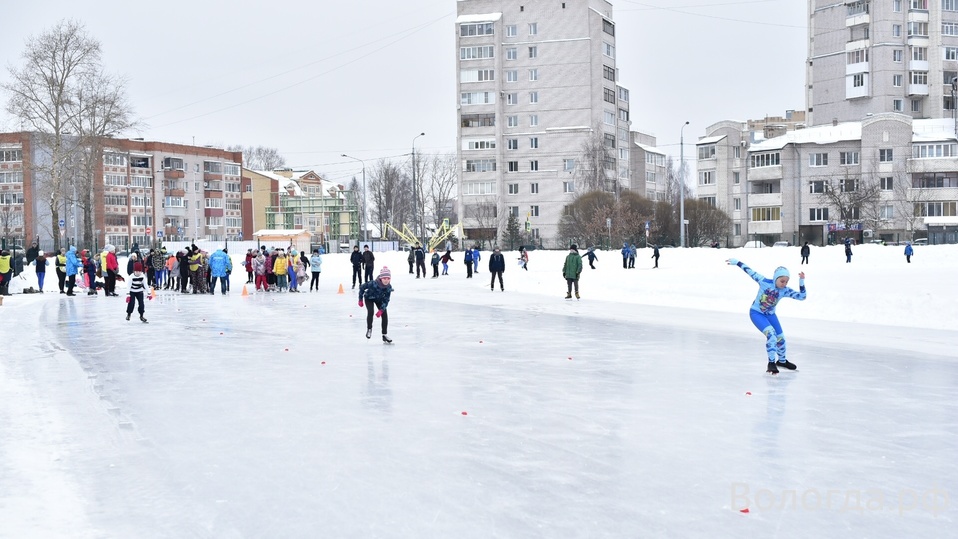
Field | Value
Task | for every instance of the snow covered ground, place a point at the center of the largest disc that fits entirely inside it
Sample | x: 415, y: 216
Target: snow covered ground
x: 642, y: 410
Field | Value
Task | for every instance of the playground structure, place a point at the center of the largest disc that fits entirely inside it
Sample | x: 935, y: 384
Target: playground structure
x: 443, y: 232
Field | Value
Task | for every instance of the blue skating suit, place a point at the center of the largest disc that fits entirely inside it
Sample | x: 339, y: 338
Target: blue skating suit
x: 762, y: 312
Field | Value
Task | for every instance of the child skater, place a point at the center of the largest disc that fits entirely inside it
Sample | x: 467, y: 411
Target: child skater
x: 136, y: 291
x: 763, y: 315
x: 377, y: 292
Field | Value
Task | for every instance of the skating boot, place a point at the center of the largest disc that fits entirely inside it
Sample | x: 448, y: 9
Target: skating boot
x: 369, y: 333
x: 772, y: 369
x: 142, y: 319
x: 568, y: 295
x: 787, y: 365
x: 576, y: 295
x: 386, y: 339
x: 127, y: 316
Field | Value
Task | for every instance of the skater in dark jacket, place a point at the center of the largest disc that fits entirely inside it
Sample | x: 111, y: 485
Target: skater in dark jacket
x: 806, y: 250
x: 655, y: 255
x: 467, y: 259
x: 590, y: 254
x: 357, y: 259
x: 435, y: 265
x: 368, y: 259
x: 848, y: 250
x: 446, y: 259
x: 497, y: 265
x: 375, y: 294
x: 763, y: 314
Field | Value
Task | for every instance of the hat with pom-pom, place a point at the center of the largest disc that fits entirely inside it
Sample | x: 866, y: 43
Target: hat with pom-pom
x: 385, y: 273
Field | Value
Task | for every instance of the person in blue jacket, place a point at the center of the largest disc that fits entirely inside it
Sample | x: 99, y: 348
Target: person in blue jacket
x: 625, y: 255
x: 762, y: 313
x: 376, y: 294
x: 632, y: 253
x: 73, y: 267
x: 475, y: 259
x: 219, y: 263
x: 908, y: 252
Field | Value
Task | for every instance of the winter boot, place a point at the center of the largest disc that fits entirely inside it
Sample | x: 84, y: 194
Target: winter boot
x: 369, y: 333
x: 386, y: 339
x: 786, y: 364
x: 568, y: 295
x: 142, y: 319
x: 127, y: 316
x: 772, y: 369
x: 576, y: 295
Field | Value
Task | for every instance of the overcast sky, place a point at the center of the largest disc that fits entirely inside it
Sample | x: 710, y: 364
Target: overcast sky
x: 364, y: 77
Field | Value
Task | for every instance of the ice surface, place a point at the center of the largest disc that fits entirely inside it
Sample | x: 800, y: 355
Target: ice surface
x: 642, y: 410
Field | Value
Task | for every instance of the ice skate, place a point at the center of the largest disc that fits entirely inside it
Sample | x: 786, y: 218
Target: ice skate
x: 576, y: 295
x: 772, y: 369
x: 787, y: 365
x: 369, y: 333
x: 387, y: 340
x: 127, y: 316
x: 142, y: 319
x: 568, y: 295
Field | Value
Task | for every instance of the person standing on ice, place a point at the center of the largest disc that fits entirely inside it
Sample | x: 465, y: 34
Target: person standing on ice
x: 435, y: 264
x: 467, y: 260
x: 497, y: 265
x: 375, y: 294
x: 368, y: 260
x: 136, y: 291
x: 219, y: 260
x: 523, y: 258
x: 41, y: 263
x: 762, y: 313
x: 446, y: 259
x: 571, y: 270
x: 475, y: 259
x: 806, y: 250
x: 909, y: 252
x: 316, y: 267
x: 625, y: 255
x: 357, y: 260
x: 848, y: 250
x: 655, y: 255
x: 590, y: 254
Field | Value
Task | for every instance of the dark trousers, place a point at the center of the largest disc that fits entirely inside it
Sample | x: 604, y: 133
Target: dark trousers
x: 469, y: 270
x: 184, y: 279
x: 656, y: 261
x: 314, y: 281
x: 61, y: 278
x: 570, y: 283
x: 137, y: 298
x: 492, y: 283
x: 435, y: 270
x: 804, y: 259
x: 71, y: 282
x: 357, y: 275
x: 368, y: 273
x: 625, y: 262
x: 371, y: 310
x: 411, y: 262
x: 420, y: 265
x: 222, y: 284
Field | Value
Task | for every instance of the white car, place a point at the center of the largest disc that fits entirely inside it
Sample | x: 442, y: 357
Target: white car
x: 754, y: 244
x: 780, y: 244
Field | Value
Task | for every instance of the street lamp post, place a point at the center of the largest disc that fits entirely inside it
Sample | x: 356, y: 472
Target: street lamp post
x: 416, y: 195
x: 363, y: 218
x: 682, y: 185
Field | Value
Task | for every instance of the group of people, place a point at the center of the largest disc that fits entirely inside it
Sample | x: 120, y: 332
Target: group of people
x: 275, y: 271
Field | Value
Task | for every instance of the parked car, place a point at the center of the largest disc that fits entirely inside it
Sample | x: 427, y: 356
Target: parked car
x: 780, y: 244
x: 920, y: 241
x: 754, y: 244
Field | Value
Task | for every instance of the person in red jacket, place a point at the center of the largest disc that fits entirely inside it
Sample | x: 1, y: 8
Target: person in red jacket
x: 112, y: 270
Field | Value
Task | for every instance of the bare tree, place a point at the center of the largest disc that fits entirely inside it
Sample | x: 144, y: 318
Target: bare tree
x: 587, y: 219
x: 850, y: 195
x: 43, y: 95
x: 440, y: 182
x: 390, y: 193
x: 707, y: 224
x: 595, y: 162
x: 483, y: 211
x: 104, y: 112
x: 259, y: 157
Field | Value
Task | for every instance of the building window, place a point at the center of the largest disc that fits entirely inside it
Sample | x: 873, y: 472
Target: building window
x: 623, y: 115
x: 897, y: 105
x: 939, y: 149
x: 512, y: 143
x: 649, y: 177
x: 568, y: 187
x: 709, y: 200
x: 533, y: 211
x: 818, y: 159
x: 512, y: 76
x: 608, y: 27
x: 736, y: 178
x: 512, y: 53
x: 737, y: 204
x: 608, y: 49
x: 477, y: 98
x: 917, y: 29
x: 707, y: 177
x: 916, y: 105
x: 533, y: 51
x: 513, y: 188
x: 512, y: 99
x: 885, y: 155
x: 608, y: 95
x: 949, y: 29
x: 769, y: 159
x: 706, y: 151
x: 478, y: 120
x: 896, y: 30
x: 858, y: 80
x: 534, y: 189
x: 533, y: 97
x: 512, y: 121
x: 533, y: 74
x: 737, y: 229
x: 918, y: 77
x: 12, y: 176
x: 489, y: 144
x: 919, y: 54
x: 848, y: 158
x: 477, y: 53
x: 949, y: 5
x: 480, y: 165
x: 534, y: 165
x: 857, y: 56
x: 477, y: 29
x: 514, y: 210
x: 568, y: 165
x: 623, y: 95
x: 533, y: 28
x: 512, y: 30
x: 533, y: 142
x: 513, y: 166
x: 8, y: 156
x: 848, y: 185
x: 897, y: 80
x: 533, y: 120
x: 886, y: 211
x: 767, y: 214
x: 853, y: 213
x: 608, y: 73
x: 886, y: 183
x: 896, y: 56
x: 609, y: 140
x: 609, y: 117
x: 896, y: 6
x: 951, y: 53
x: 818, y: 214
x: 816, y: 187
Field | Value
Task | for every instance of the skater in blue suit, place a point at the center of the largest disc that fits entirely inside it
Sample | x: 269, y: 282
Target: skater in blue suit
x: 763, y: 314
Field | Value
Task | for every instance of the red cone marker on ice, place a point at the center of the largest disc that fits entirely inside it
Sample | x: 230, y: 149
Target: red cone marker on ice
x: 464, y: 413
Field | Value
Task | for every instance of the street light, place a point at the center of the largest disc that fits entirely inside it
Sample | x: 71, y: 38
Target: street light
x: 363, y: 220
x: 415, y: 196
x: 682, y: 185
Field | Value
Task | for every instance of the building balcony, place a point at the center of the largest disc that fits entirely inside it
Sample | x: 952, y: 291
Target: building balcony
x: 857, y: 44
x: 760, y: 174
x: 213, y: 212
x: 173, y: 174
x: 854, y: 69
x: 918, y: 41
x: 857, y: 19
x: 174, y: 193
x: 917, y: 89
x: 764, y: 199
x: 918, y: 65
x: 854, y: 92
x: 765, y: 227
x: 930, y: 164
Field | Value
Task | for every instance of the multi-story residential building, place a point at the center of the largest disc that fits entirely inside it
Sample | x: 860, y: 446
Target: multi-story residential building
x: 721, y: 165
x: 811, y: 184
x: 536, y: 85
x: 301, y: 200
x: 142, y: 192
x: 874, y: 56
x: 648, y: 168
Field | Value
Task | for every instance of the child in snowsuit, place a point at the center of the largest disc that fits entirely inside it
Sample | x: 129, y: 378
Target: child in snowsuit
x: 136, y: 291
x: 763, y: 314
x: 376, y: 293
x: 435, y: 264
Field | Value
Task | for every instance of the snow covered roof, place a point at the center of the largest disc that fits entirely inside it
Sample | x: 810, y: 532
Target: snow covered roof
x: 926, y: 130
x: 709, y: 140
x: 283, y: 232
x: 650, y: 149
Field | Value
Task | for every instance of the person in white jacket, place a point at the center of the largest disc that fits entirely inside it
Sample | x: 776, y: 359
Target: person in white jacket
x: 316, y: 265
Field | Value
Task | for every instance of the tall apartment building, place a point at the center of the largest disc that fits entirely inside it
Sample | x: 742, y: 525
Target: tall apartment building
x: 536, y: 83
x: 142, y: 192
x: 874, y: 56
x: 648, y: 167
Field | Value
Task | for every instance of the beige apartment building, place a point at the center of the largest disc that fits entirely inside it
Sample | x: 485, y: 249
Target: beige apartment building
x: 536, y: 83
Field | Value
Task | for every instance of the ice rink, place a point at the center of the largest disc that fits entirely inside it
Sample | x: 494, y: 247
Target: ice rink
x: 493, y: 414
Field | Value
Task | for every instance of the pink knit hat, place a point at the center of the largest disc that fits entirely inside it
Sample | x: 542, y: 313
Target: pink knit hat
x: 384, y: 273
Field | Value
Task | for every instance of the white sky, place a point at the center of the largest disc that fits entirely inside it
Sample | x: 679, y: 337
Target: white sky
x: 642, y: 410
x: 317, y: 80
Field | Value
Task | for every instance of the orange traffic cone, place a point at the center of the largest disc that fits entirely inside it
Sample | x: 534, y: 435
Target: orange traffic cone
x: 340, y: 289
x: 153, y: 292
x: 245, y: 292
